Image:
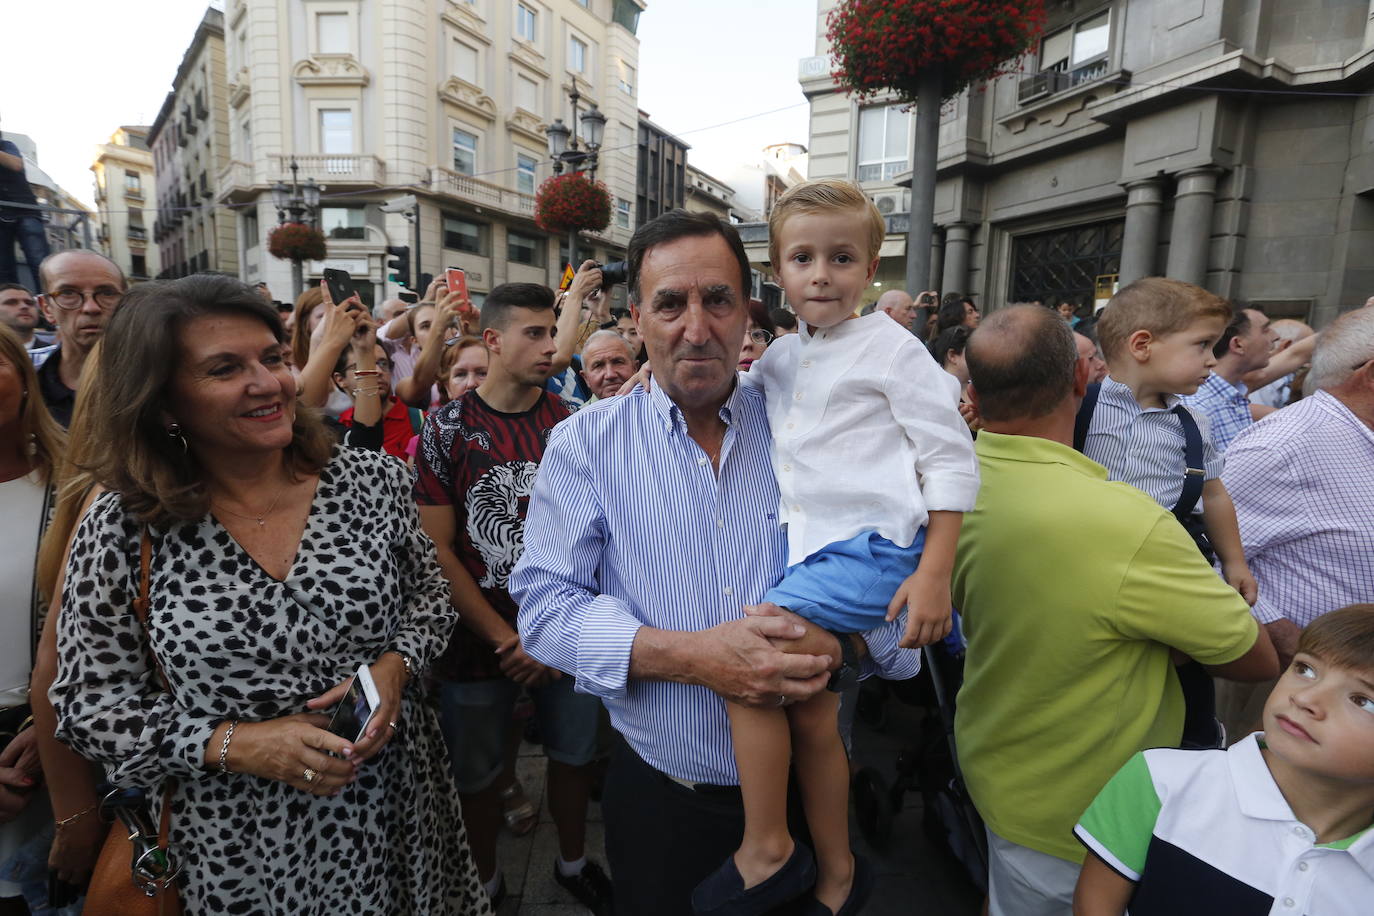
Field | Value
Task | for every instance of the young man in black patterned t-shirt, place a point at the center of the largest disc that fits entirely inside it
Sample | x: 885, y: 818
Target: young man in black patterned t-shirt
x: 476, y: 465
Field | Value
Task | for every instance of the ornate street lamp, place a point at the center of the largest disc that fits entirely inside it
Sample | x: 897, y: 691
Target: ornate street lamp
x: 566, y: 153
x: 302, y: 202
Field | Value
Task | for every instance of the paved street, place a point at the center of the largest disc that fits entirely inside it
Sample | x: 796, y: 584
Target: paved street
x: 914, y: 877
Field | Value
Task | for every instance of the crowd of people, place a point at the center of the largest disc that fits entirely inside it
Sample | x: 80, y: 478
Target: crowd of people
x: 673, y: 540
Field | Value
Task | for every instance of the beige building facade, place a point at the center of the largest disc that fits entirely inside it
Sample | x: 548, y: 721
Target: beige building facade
x: 190, y: 144
x: 125, y: 196
x: 445, y: 100
x: 706, y: 194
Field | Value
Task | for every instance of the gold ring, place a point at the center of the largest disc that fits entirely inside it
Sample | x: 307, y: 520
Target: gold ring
x: 310, y: 775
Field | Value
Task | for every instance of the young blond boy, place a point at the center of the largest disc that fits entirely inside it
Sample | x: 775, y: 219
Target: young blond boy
x: 875, y: 467
x: 1157, y: 336
x: 1278, y: 823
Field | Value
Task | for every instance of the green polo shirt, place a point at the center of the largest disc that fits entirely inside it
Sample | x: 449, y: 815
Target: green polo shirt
x: 1072, y: 589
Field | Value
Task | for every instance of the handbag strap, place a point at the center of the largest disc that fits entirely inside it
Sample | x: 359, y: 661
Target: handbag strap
x: 145, y: 562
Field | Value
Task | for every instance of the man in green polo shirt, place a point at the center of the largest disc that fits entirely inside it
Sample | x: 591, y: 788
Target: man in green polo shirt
x: 1073, y: 592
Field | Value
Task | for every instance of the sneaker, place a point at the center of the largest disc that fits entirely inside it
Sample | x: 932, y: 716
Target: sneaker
x: 590, y: 886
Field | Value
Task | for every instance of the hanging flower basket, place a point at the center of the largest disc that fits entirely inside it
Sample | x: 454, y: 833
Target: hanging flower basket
x: 571, y: 203
x: 296, y: 242
x: 879, y: 45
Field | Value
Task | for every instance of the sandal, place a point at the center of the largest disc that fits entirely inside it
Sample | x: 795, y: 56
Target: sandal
x: 519, y: 811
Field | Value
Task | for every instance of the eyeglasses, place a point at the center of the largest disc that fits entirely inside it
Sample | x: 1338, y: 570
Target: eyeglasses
x: 760, y: 337
x: 106, y: 297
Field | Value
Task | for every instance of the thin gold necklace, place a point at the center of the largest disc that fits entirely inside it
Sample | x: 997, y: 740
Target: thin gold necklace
x: 260, y: 519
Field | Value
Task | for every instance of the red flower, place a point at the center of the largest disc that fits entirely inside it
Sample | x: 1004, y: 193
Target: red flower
x: 569, y: 203
x: 296, y: 242
x: 889, y: 44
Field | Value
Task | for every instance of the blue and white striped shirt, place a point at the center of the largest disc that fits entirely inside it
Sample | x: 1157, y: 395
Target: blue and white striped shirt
x: 1143, y: 446
x: 1227, y: 407
x: 629, y: 526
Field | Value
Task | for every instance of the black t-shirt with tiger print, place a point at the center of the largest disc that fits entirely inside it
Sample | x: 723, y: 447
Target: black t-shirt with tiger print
x: 482, y: 462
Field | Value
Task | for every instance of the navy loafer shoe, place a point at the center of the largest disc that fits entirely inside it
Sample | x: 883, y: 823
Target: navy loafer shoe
x: 722, y: 893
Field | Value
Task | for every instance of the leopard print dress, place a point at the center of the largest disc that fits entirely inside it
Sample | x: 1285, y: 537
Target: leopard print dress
x: 236, y: 643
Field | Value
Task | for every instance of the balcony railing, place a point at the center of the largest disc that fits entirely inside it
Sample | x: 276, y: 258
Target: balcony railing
x: 482, y: 193
x: 335, y: 169
x: 1049, y: 82
x: 138, y: 234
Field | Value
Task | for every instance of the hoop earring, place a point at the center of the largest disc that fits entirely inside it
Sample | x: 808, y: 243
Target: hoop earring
x: 174, y: 432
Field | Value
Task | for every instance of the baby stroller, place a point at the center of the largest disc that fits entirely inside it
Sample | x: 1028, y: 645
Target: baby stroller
x: 927, y: 765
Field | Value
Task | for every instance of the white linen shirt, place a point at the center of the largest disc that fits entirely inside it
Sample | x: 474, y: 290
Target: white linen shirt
x: 867, y: 434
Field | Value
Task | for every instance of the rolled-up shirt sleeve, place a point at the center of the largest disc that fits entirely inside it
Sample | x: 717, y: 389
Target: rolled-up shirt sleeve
x: 887, y: 659
x: 917, y: 395
x: 564, y: 621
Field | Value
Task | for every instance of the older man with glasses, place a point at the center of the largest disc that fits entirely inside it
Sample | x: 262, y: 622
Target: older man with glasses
x: 81, y: 289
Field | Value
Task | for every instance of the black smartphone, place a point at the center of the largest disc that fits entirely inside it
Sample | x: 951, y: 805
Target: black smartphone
x: 926, y: 299
x: 340, y: 284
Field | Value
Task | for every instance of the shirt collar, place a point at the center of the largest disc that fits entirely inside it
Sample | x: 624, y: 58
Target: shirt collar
x: 843, y: 329
x: 1115, y: 392
x: 1336, y: 407
x: 1258, y: 796
x: 1035, y: 450
x: 671, y: 414
x: 1222, y: 386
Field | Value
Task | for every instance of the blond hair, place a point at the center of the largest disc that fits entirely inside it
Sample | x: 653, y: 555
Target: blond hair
x: 1158, y: 305
x: 825, y: 195
x: 1344, y: 637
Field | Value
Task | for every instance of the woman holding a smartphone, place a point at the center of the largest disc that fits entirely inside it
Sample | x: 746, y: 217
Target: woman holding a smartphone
x: 278, y: 564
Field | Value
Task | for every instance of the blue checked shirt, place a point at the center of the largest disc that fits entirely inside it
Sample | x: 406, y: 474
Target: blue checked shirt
x: 1303, y: 483
x: 1143, y: 446
x: 1227, y: 407
x: 629, y: 526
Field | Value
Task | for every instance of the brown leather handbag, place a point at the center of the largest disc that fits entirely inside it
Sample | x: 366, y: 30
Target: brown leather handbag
x: 119, y: 885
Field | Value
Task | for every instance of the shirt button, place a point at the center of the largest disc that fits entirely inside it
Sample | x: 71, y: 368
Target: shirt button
x: 796, y: 508
x: 1298, y: 831
x: 787, y: 467
x: 1288, y: 901
x: 702, y: 461
x: 806, y: 364
x: 1302, y: 866
x: 797, y: 396
x: 791, y: 425
x: 729, y: 591
x: 720, y: 523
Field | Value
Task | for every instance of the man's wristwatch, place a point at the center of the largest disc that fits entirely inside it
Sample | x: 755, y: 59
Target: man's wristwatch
x: 847, y: 675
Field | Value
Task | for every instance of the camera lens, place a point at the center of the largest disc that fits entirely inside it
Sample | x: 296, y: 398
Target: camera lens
x: 613, y: 273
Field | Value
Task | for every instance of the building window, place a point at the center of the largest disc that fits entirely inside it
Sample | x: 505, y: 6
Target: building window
x: 524, y: 173
x: 625, y: 13
x: 336, y: 130
x: 624, y: 77
x: 464, y: 152
x: 1080, y: 43
x: 525, y: 249
x: 343, y: 222
x: 883, y: 133
x: 465, y: 235
x: 250, y: 229
x: 246, y: 140
x: 331, y: 33
x: 465, y: 62
x: 622, y: 213
x: 138, y: 265
x: 526, y: 23
x: 1063, y: 265
x: 526, y: 94
x: 133, y: 184
x: 577, y: 55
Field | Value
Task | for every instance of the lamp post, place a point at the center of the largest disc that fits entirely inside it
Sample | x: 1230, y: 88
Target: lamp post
x: 566, y: 153
x: 302, y: 202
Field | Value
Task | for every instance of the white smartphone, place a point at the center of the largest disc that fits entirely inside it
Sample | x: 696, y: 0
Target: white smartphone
x: 355, y: 711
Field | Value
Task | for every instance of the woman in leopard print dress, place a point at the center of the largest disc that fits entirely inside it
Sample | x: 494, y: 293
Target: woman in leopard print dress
x: 279, y: 565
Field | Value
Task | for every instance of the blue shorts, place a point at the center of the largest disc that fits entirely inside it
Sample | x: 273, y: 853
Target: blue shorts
x: 846, y: 586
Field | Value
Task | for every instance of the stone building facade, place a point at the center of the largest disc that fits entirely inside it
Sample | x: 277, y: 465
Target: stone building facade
x: 190, y: 144
x: 706, y: 194
x: 125, y: 196
x: 1224, y: 142
x: 446, y: 100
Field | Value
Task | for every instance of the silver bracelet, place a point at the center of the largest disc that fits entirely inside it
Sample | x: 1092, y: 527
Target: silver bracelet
x: 224, y: 746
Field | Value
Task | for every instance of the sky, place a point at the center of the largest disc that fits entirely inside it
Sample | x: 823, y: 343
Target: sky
x: 702, y: 63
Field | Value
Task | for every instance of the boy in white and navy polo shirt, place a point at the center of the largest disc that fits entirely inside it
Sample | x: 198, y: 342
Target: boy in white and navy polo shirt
x: 1279, y: 823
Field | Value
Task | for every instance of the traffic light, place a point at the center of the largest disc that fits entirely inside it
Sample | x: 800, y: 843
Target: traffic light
x: 399, y: 265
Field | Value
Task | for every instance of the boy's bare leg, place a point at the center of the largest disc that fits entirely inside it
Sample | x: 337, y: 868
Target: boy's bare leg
x: 763, y: 751
x: 823, y: 773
